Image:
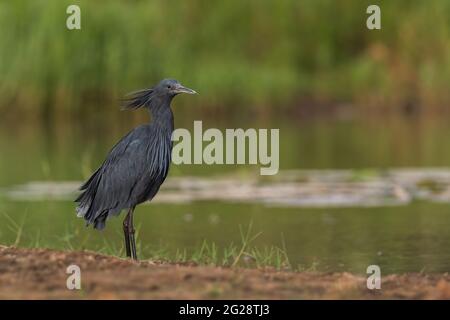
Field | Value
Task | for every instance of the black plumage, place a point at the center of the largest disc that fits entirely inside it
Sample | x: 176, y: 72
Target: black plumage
x: 136, y: 166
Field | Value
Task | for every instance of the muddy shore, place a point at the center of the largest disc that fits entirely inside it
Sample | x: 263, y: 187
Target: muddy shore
x: 41, y: 274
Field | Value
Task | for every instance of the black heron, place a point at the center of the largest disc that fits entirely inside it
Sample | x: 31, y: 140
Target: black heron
x: 136, y: 166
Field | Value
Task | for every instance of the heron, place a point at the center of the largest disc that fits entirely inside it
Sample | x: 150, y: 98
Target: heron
x: 136, y: 166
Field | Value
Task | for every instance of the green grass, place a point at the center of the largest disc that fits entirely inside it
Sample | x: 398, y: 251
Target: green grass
x: 17, y: 229
x: 258, y: 54
x: 243, y: 254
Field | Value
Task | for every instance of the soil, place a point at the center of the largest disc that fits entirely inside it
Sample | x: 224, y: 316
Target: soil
x: 41, y: 274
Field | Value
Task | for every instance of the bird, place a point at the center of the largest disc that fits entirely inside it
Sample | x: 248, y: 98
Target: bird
x: 136, y: 166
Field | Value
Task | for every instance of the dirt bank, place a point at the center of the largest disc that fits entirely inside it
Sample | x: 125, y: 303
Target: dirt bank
x: 41, y: 273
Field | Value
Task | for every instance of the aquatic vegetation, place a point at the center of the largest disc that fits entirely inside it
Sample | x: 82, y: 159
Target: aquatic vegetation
x: 256, y: 54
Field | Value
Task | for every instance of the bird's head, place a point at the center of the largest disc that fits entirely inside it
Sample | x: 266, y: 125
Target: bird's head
x: 165, y: 89
x: 171, y: 87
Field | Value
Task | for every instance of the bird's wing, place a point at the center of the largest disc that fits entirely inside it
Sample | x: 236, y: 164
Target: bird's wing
x: 110, y: 188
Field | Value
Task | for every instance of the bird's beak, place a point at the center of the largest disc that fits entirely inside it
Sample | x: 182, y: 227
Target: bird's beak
x: 182, y: 89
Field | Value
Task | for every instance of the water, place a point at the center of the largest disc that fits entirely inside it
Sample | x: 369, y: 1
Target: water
x: 403, y: 238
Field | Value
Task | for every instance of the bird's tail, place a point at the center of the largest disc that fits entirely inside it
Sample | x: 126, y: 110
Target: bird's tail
x: 87, y: 195
x: 137, y: 99
x: 86, y: 202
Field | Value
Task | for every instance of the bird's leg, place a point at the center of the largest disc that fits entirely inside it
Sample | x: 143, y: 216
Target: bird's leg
x: 128, y: 229
x: 132, y: 240
x: 126, y: 234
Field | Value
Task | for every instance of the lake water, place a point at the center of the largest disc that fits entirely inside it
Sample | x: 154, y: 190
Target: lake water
x: 413, y: 236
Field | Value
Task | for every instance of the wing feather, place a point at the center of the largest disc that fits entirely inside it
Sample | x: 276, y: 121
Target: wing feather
x: 132, y: 170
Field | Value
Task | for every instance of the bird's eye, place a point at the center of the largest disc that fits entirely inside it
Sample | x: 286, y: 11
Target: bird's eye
x: 169, y: 86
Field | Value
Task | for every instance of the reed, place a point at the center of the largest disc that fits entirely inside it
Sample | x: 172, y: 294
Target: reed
x: 257, y: 54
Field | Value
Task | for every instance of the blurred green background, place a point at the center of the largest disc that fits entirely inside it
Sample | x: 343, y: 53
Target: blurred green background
x: 256, y: 54
x: 343, y: 96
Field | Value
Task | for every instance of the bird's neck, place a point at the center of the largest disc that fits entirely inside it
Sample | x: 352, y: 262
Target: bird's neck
x: 161, y: 113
